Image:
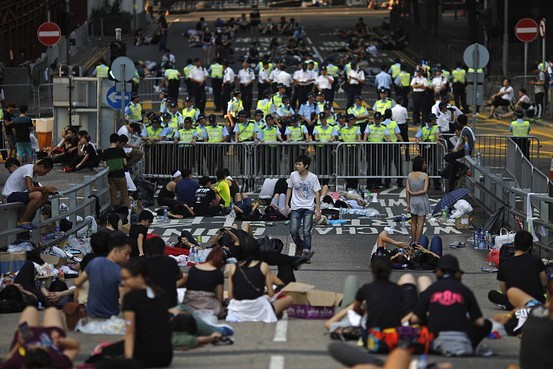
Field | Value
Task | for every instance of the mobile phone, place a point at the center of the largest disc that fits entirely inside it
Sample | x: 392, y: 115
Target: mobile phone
x: 222, y: 230
x: 26, y: 333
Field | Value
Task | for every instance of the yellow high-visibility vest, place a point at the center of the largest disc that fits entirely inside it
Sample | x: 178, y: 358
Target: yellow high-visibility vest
x: 376, y: 134
x: 348, y: 134
x: 245, y: 131
x: 520, y: 129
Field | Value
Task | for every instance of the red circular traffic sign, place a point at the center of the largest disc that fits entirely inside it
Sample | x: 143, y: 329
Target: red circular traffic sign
x: 48, y: 33
x: 526, y: 30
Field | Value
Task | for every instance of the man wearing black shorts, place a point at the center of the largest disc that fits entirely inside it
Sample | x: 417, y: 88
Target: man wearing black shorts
x: 22, y: 186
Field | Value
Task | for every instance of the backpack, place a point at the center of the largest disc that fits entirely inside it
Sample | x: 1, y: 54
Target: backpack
x: 505, y: 252
x: 270, y: 244
x: 383, y: 341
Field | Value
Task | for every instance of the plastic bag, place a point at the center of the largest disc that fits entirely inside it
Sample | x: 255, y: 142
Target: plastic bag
x: 113, y: 325
x: 463, y: 205
x: 80, y: 244
x: 492, y: 259
x: 92, y: 227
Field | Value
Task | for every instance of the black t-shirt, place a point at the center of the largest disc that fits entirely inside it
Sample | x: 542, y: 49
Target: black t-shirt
x: 152, y: 328
x: 384, y: 303
x: 450, y: 305
x: 234, y: 189
x: 523, y: 272
x: 114, y: 157
x: 163, y: 272
x: 204, y: 197
x: 255, y: 18
x: 537, y: 335
x: 8, y: 117
x: 87, y: 259
x: 22, y: 126
x: 134, y: 231
x: 204, y: 280
x: 250, y: 284
x: 92, y: 153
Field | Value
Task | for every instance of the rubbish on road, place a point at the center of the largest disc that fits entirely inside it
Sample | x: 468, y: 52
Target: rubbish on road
x: 310, y: 303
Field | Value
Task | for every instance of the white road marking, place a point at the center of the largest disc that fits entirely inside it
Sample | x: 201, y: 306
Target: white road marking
x: 292, y: 249
x: 229, y: 221
x: 276, y: 362
x: 281, y: 329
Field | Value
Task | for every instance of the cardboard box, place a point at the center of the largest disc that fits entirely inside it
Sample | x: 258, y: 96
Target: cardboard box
x: 462, y: 222
x: 310, y: 303
x: 11, y: 262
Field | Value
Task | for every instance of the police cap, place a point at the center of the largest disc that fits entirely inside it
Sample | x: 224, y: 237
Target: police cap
x: 377, y: 115
x: 431, y: 116
x: 323, y: 115
x: 212, y: 118
x: 242, y: 113
x: 166, y: 115
x: 258, y: 112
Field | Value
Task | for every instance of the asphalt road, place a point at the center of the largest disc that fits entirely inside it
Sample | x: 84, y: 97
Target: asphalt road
x: 339, y: 250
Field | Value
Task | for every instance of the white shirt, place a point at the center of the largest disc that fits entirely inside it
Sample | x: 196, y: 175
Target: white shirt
x: 16, y: 182
x: 198, y: 74
x: 324, y: 82
x: 274, y: 74
x: 303, y: 190
x: 443, y: 121
x: 246, y: 76
x: 509, y: 95
x: 285, y: 78
x: 435, y: 108
x: 419, y: 81
x: 439, y: 83
x: 229, y: 76
x: 263, y: 76
x: 399, y: 114
x: 359, y: 74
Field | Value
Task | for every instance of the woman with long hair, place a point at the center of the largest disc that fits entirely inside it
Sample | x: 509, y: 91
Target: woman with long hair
x: 145, y: 312
x: 205, y: 283
x: 417, y: 197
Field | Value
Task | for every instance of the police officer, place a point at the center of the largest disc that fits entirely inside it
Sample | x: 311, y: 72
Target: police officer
x: 189, y: 110
x: 322, y: 102
x: 173, y: 82
x: 384, y: 102
x: 186, y: 134
x: 351, y: 133
x: 154, y: 132
x: 234, y: 106
x: 360, y: 113
x: 376, y: 133
x: 296, y: 132
x: 284, y: 113
x: 216, y: 74
x: 176, y: 117
x: 429, y: 133
x: 270, y: 153
x: 186, y: 70
x: 245, y: 129
x: 324, y: 132
x: 198, y: 76
x: 520, y: 129
x: 330, y: 116
x: 101, y: 70
x: 133, y: 111
x: 266, y: 104
x: 395, y: 69
x: 277, y: 97
x: 403, y: 86
x: 419, y: 83
x: 229, y: 79
x: 186, y: 137
x: 459, y: 87
x: 246, y: 77
x: 201, y: 128
x: 324, y: 84
x: 394, y: 150
x: 216, y: 133
x: 263, y: 81
x: 163, y: 105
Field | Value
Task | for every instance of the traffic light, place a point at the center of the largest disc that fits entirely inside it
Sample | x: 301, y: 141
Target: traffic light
x: 117, y: 49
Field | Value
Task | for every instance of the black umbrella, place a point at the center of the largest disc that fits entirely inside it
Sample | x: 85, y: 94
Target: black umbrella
x: 450, y: 198
x: 494, y: 223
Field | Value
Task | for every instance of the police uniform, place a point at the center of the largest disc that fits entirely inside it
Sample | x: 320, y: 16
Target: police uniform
x: 459, y: 88
x: 101, y: 71
x: 429, y: 152
x: 359, y: 111
x: 376, y: 157
x: 134, y: 112
x: 216, y: 74
x: 403, y: 86
x: 186, y: 70
x: 266, y: 106
x: 520, y: 129
x: 173, y: 83
x: 271, y: 154
x: 352, y: 154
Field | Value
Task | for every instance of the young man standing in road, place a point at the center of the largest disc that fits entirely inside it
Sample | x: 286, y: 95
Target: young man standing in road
x: 303, y: 191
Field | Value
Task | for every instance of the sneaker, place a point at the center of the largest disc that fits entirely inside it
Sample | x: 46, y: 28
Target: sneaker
x: 223, y: 341
x: 483, y: 350
x: 224, y: 329
x: 305, y: 258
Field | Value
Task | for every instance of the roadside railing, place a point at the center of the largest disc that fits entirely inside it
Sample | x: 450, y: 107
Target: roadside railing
x: 252, y: 162
x: 81, y: 201
x: 493, y: 150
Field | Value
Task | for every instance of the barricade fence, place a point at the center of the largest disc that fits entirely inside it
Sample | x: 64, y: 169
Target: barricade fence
x: 252, y: 162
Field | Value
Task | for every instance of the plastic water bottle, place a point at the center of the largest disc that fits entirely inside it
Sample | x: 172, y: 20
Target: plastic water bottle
x: 57, y: 229
x: 422, y: 362
x: 165, y: 218
x: 478, y: 158
x: 192, y: 255
x: 402, y: 220
x: 476, y: 238
x: 444, y: 214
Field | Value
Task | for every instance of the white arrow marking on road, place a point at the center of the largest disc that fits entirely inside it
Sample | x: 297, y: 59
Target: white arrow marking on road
x: 527, y: 30
x: 49, y: 33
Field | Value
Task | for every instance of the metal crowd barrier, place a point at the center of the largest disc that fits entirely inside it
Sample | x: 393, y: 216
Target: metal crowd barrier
x: 252, y: 162
x: 493, y: 150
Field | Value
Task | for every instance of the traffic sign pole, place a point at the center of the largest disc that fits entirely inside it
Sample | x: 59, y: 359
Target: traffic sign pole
x: 475, y: 58
x: 526, y: 30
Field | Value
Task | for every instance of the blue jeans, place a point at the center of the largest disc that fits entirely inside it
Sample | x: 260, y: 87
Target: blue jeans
x: 296, y: 217
x: 435, y: 246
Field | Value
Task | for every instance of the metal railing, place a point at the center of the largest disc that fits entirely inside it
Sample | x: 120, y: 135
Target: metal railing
x: 493, y: 150
x: 80, y: 200
x: 528, y: 202
x: 252, y: 162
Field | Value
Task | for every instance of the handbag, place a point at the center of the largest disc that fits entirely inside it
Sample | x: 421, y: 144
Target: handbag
x: 73, y: 313
x: 504, y: 237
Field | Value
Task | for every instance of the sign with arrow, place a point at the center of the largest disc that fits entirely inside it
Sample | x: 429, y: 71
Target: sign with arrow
x: 115, y: 100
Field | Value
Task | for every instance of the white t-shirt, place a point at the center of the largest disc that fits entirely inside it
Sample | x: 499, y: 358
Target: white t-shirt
x: 16, y: 181
x: 125, y: 131
x: 509, y: 95
x: 303, y: 190
x: 399, y: 114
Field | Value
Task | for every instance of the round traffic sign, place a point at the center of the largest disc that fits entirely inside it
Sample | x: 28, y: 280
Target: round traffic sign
x: 476, y: 56
x: 48, y: 33
x: 122, y: 69
x: 542, y: 28
x: 526, y: 30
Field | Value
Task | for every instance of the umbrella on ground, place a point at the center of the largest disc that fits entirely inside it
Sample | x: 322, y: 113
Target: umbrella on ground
x: 494, y: 223
x: 450, y: 198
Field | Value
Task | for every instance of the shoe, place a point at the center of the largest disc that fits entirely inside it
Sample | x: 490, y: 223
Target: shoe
x: 223, y: 341
x: 27, y: 226
x: 483, y: 350
x: 299, y: 252
x: 224, y: 329
x: 303, y: 259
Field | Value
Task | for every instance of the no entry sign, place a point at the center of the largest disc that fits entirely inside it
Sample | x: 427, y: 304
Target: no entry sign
x: 526, y: 30
x: 48, y: 33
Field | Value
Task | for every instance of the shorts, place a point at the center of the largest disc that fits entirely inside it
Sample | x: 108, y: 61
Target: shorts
x: 24, y: 149
x: 11, y: 141
x: 18, y: 197
x: 245, y: 205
